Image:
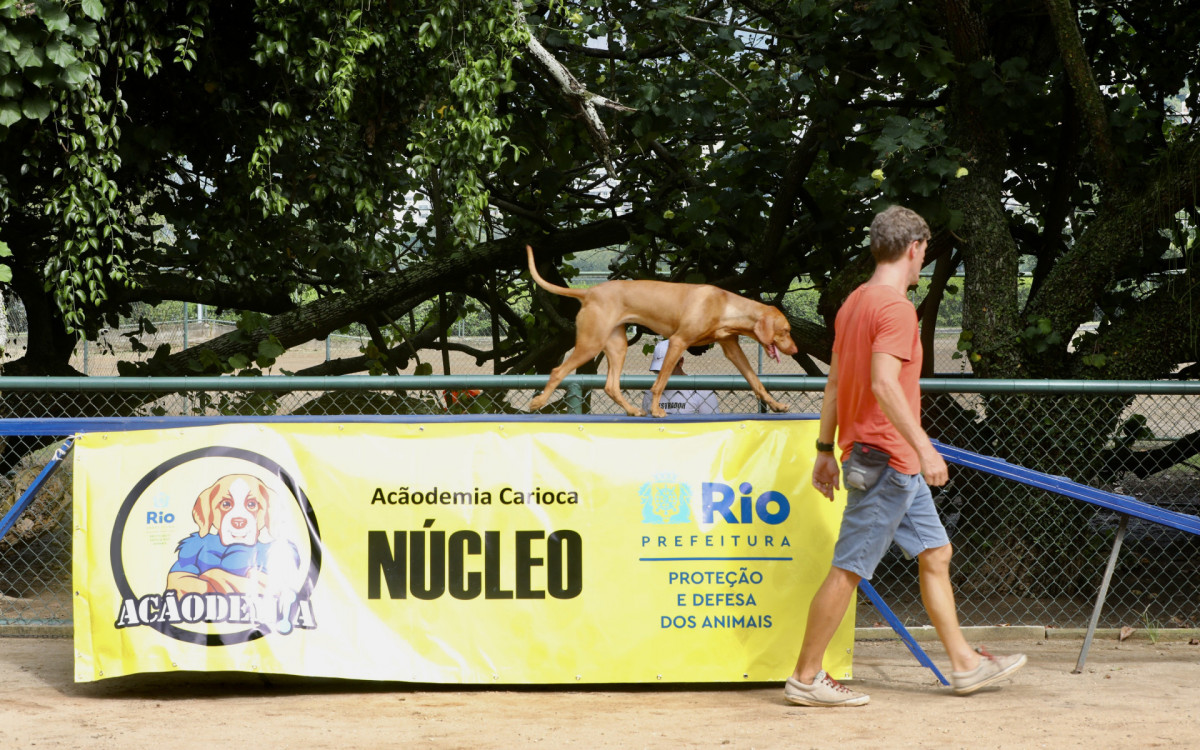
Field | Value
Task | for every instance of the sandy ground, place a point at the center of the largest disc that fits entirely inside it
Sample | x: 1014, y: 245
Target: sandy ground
x: 1132, y: 694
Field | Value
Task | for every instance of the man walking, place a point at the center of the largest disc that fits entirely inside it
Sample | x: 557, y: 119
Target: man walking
x: 872, y: 404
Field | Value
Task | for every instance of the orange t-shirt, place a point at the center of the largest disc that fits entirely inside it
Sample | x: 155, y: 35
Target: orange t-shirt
x: 876, y: 319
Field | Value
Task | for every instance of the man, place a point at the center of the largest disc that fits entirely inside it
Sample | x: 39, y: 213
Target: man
x: 873, y: 405
x: 677, y: 401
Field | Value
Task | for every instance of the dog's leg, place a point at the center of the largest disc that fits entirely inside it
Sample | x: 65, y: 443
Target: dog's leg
x: 577, y: 358
x: 591, y: 334
x: 615, y: 349
x: 733, y: 352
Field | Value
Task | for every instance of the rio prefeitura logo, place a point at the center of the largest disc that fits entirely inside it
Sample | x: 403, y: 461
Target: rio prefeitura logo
x: 666, y: 500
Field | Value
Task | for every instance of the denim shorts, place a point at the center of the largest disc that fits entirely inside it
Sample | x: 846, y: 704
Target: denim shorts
x: 898, y: 507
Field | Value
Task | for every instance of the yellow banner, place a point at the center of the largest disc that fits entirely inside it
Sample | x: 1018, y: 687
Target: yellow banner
x: 453, y: 552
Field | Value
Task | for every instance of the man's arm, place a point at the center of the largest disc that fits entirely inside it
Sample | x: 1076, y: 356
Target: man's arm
x: 885, y: 385
x: 826, y: 476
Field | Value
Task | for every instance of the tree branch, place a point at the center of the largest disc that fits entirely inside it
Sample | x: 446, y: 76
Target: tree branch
x: 943, y: 270
x: 989, y: 251
x: 585, y: 102
x: 1083, y: 82
x: 656, y: 52
x: 1167, y: 318
x: 1068, y: 296
x: 1144, y: 463
x: 318, y: 318
x: 804, y: 155
x: 747, y: 29
x: 700, y: 61
x: 266, y: 299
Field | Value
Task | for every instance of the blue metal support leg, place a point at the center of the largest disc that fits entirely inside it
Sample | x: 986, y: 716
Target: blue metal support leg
x: 901, y: 631
x: 26, y: 499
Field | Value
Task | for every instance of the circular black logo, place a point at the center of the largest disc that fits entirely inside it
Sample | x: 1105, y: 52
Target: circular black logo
x: 249, y: 564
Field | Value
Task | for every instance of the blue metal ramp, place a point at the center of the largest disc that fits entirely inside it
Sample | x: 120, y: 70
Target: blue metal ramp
x: 1061, y: 485
x: 1127, y: 507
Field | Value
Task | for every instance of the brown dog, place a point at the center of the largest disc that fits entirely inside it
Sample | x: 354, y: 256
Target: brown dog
x: 687, y: 314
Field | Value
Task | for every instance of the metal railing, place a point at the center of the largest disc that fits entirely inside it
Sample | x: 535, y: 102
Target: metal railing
x: 1024, y: 556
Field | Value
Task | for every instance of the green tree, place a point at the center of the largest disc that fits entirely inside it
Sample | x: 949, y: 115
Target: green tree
x: 320, y: 164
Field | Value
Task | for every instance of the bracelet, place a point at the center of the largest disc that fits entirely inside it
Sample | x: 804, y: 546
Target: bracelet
x: 824, y: 447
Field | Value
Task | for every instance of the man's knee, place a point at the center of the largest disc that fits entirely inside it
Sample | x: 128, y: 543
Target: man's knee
x: 936, y: 558
x: 842, y: 578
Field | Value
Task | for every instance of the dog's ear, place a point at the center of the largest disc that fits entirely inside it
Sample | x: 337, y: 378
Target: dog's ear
x: 764, y: 329
x: 264, y: 499
x: 202, y: 511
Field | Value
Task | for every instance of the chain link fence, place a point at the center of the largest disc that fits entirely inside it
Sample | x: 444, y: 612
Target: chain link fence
x: 1023, y: 556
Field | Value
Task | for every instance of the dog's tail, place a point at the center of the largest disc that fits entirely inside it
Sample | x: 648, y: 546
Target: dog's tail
x: 562, y: 290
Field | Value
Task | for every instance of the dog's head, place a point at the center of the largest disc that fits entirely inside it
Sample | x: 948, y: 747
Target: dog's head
x: 237, y: 508
x: 774, y: 332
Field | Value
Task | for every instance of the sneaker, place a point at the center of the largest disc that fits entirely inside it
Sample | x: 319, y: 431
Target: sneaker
x: 991, y: 669
x: 825, y: 691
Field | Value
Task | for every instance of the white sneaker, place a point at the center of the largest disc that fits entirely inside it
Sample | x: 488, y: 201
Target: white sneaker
x: 991, y: 669
x: 825, y: 691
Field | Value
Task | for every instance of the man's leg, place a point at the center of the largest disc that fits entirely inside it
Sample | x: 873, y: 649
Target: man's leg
x: 922, y: 529
x: 938, y: 597
x: 825, y: 614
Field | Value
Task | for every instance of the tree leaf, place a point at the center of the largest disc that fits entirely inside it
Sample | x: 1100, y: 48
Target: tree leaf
x: 29, y: 56
x: 42, y: 77
x: 60, y: 53
x: 270, y: 349
x: 53, y: 15
x: 10, y: 113
x: 93, y: 9
x: 10, y: 87
x: 239, y: 361
x: 74, y: 75
x: 87, y: 33
x: 9, y: 42
x: 35, y: 107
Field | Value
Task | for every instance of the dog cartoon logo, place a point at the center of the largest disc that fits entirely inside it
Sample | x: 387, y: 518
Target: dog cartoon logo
x: 244, y: 565
x: 233, y: 550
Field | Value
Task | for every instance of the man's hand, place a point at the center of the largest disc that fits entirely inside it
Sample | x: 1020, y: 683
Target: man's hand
x: 933, y: 467
x: 827, y: 474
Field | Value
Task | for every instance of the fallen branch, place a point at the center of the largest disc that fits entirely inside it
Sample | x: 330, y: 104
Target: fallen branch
x: 585, y: 102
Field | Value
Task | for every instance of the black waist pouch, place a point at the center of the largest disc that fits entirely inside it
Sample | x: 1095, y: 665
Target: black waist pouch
x: 863, y: 467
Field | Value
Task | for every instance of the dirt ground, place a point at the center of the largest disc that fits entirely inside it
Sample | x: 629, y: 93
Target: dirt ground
x: 1132, y: 694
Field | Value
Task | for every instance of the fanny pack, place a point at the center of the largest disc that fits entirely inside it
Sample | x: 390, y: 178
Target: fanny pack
x: 863, y: 467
